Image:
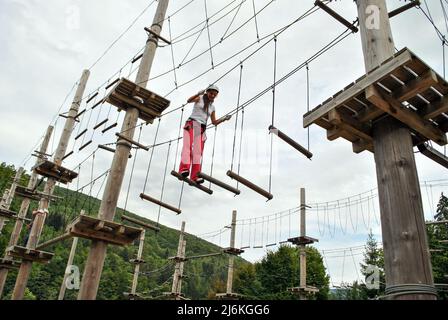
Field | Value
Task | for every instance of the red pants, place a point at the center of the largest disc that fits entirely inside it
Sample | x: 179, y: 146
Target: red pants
x: 193, y: 148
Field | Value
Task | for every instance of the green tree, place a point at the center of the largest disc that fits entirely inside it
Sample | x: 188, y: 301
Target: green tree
x: 439, y: 259
x: 373, y: 256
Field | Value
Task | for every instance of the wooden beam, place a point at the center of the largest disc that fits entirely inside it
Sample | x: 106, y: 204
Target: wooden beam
x: 135, y: 143
x: 415, y: 86
x: 250, y: 185
x: 435, y: 109
x: 53, y: 241
x: 346, y: 123
x: 371, y: 112
x: 140, y: 223
x: 291, y: 142
x: 191, y: 182
x: 408, y: 6
x: 160, y: 203
x: 374, y: 76
x: 388, y: 104
x: 157, y: 35
x: 219, y: 183
x: 337, y: 16
x: 433, y: 154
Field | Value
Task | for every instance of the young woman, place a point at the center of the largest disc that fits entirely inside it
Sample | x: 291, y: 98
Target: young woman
x: 194, y: 131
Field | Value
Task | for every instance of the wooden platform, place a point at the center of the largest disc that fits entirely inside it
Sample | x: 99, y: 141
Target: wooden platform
x: 307, y: 289
x: 29, y: 254
x: 96, y: 229
x: 9, y: 264
x: 229, y: 296
x: 302, y: 241
x: 127, y: 94
x: 403, y: 87
x: 51, y: 170
x: 233, y: 251
x: 25, y: 192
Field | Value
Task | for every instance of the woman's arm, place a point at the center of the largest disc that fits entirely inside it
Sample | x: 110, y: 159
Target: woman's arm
x: 219, y: 121
x: 195, y: 98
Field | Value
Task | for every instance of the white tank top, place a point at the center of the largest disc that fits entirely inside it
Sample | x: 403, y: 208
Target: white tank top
x: 199, y: 113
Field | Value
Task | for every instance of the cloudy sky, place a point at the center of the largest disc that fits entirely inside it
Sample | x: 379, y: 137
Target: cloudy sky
x: 48, y: 44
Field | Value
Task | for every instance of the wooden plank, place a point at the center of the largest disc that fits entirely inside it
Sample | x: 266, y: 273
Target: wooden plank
x: 337, y: 16
x: 140, y: 223
x: 395, y: 109
x: 374, y: 76
x: 348, y: 124
x: 135, y: 143
x: 160, y: 203
x: 415, y: 86
x: 435, y: 109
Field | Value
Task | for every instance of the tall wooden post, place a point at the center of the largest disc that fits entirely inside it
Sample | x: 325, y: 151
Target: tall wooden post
x: 14, y: 239
x: 177, y: 268
x: 231, y: 258
x: 137, y: 265
x: 302, y: 248
x: 97, y: 254
x: 406, y: 255
x: 39, y: 220
x: 9, y: 196
x: 181, y: 269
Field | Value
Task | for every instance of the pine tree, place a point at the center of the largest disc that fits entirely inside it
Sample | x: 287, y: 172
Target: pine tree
x: 373, y: 256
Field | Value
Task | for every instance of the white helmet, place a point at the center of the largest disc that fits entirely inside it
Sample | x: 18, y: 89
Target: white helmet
x: 213, y: 87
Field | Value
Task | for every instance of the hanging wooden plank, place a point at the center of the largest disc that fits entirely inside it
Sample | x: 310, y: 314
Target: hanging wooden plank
x: 136, y: 59
x: 219, y: 183
x: 67, y: 155
x: 112, y: 83
x: 250, y: 185
x: 92, y: 97
x: 109, y: 127
x: 81, y: 134
x: 85, y: 145
x: 160, y: 203
x: 98, y: 103
x: 140, y: 223
x: 191, y: 182
x: 291, y: 142
x: 100, y: 124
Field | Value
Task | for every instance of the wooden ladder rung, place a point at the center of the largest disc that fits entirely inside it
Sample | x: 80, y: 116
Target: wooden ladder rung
x: 97, y: 104
x: 92, y: 97
x: 80, y: 113
x: 250, y: 185
x: 67, y: 155
x: 271, y: 245
x: 191, y: 182
x: 291, y: 142
x: 335, y: 15
x: 109, y: 127
x: 100, y: 124
x: 81, y: 134
x: 160, y: 203
x: 401, y: 9
x: 137, y: 58
x: 219, y: 183
x: 114, y: 82
x: 85, y: 145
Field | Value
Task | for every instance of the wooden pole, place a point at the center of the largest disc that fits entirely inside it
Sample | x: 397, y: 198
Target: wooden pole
x: 181, y: 269
x: 14, y: 239
x: 39, y: 220
x: 137, y: 265
x: 231, y: 258
x: 406, y: 252
x: 302, y: 248
x: 97, y: 254
x: 176, y: 276
x: 9, y: 196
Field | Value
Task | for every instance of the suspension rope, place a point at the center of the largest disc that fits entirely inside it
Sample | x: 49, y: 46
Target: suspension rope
x: 178, y: 141
x: 150, y: 158
x: 213, y: 156
x: 308, y: 98
x: 273, y: 112
x: 233, y: 19
x: 172, y: 53
x: 132, y: 171
x: 255, y: 18
x: 208, y: 32
x: 163, y: 183
x: 236, y: 117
